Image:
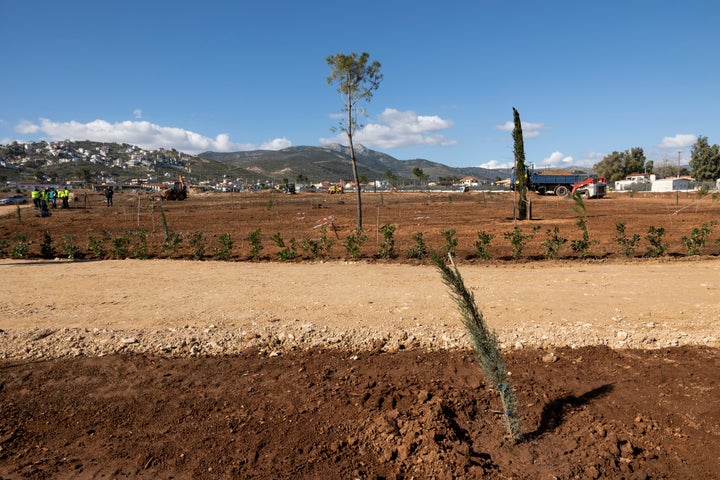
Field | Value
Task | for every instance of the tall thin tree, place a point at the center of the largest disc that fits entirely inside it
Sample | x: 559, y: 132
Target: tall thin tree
x: 520, y: 170
x: 356, y: 81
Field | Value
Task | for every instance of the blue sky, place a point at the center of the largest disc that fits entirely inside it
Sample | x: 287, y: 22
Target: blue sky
x: 588, y: 78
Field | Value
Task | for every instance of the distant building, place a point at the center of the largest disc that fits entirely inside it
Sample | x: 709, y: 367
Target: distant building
x: 672, y: 184
x: 38, y: 185
x: 469, y: 181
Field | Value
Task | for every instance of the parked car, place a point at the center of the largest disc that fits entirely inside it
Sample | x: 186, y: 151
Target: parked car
x: 14, y: 200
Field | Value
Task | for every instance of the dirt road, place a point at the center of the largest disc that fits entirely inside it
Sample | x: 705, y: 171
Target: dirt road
x: 644, y: 304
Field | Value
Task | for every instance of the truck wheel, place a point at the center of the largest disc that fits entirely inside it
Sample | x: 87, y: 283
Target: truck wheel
x: 541, y: 191
x: 562, y: 191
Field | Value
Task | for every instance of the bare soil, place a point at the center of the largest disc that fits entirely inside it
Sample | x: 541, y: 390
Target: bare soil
x: 358, y: 368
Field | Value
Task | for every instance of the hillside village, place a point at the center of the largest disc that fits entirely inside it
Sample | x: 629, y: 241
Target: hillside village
x: 96, y: 165
x: 86, y: 164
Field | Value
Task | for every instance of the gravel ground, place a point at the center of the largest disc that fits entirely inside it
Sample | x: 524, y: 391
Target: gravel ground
x: 223, y: 309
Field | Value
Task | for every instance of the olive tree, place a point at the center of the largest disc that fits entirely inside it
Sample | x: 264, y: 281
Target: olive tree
x: 618, y: 165
x: 356, y: 80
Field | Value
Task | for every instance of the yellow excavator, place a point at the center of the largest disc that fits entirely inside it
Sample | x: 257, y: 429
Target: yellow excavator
x: 177, y: 192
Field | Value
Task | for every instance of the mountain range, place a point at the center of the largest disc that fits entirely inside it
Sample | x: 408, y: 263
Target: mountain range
x: 113, y: 162
x: 332, y: 162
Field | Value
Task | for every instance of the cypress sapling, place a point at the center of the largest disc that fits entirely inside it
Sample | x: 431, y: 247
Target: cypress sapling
x: 485, y: 343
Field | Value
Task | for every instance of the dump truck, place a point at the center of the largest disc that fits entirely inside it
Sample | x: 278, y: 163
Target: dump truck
x: 561, y: 182
x: 178, y: 191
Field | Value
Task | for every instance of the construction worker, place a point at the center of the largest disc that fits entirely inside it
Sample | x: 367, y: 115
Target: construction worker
x: 35, y: 195
x: 45, y: 198
x: 45, y: 203
x: 65, y: 198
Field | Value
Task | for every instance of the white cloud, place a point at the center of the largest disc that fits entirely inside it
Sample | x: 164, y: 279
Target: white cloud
x: 681, y: 140
x: 396, y: 129
x: 141, y: 133
x: 589, y: 159
x: 276, y: 144
x: 557, y: 159
x: 26, y: 127
x: 496, y: 164
x: 530, y: 130
x: 138, y: 113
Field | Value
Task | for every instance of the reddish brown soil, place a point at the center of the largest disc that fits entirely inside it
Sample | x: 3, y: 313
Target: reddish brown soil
x: 594, y: 413
x: 333, y: 413
x: 302, y: 217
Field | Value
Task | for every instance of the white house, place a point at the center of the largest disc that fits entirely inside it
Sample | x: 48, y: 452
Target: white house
x: 671, y: 184
x: 469, y: 181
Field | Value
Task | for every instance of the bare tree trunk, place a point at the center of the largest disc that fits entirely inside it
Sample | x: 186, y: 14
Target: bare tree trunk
x: 356, y: 177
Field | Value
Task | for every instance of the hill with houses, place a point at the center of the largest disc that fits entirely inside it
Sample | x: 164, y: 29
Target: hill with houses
x: 87, y: 162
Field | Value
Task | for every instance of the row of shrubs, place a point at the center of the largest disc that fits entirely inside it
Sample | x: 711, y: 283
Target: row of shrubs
x: 134, y: 244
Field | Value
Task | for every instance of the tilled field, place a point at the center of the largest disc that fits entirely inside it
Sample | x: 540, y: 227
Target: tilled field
x: 359, y: 369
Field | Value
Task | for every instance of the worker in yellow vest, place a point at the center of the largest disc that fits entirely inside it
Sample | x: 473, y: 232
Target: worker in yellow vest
x: 35, y: 195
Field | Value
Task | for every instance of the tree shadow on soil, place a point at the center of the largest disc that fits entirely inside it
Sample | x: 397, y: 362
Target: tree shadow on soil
x: 554, y: 412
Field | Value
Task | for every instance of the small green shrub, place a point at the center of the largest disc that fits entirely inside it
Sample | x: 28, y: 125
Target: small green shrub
x: 387, y: 247
x: 318, y: 248
x: 518, y: 240
x: 655, y: 237
x: 697, y: 239
x: 120, y: 247
x: 140, y: 247
x: 628, y: 245
x: 582, y: 246
x: 482, y: 245
x: 419, y: 250
x: 171, y: 244
x: 255, y: 244
x: 69, y: 248
x: 286, y: 252
x: 197, y: 242
x: 224, y: 250
x: 96, y: 246
x: 451, y: 241
x: 554, y: 243
x: 20, y: 246
x: 46, y: 247
x: 354, y: 242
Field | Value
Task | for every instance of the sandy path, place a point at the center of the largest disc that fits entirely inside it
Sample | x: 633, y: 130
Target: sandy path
x: 621, y: 304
